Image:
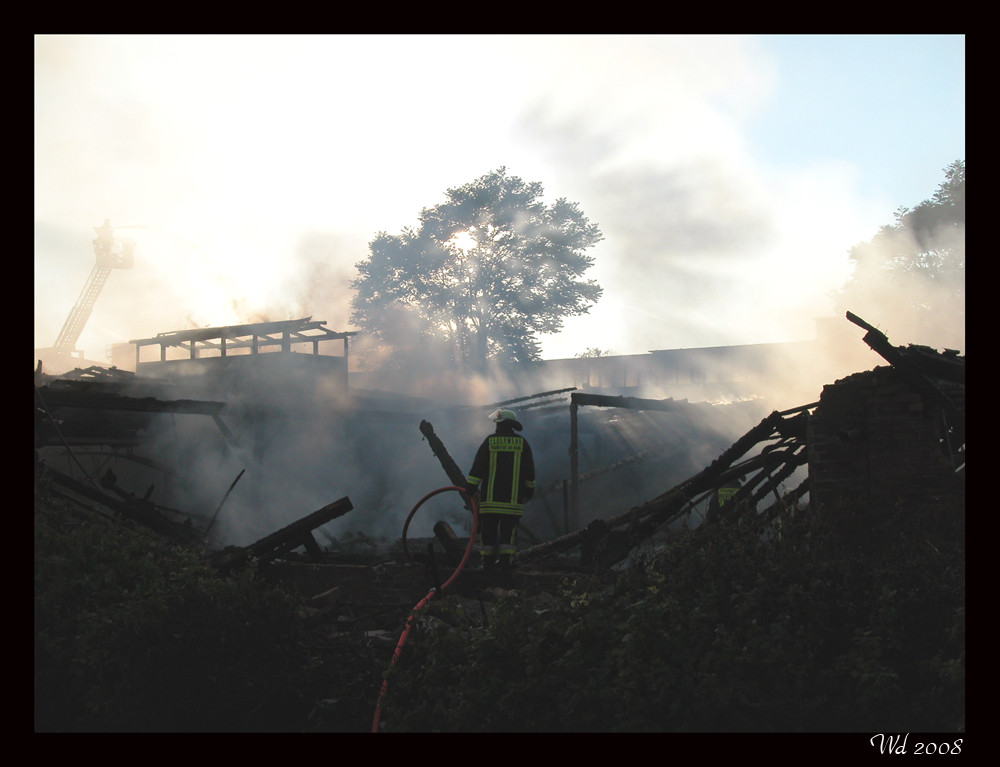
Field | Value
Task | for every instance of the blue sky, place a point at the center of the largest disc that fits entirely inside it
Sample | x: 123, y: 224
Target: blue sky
x: 729, y: 174
x: 894, y: 105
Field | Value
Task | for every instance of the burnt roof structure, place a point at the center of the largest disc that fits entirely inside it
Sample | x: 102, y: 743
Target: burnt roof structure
x: 252, y: 337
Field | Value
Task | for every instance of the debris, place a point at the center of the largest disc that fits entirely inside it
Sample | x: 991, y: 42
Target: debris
x: 216, y: 514
x: 85, y: 411
x: 328, y: 598
x: 441, y: 453
x: 677, y: 500
x: 945, y: 366
x: 292, y: 536
x: 139, y: 510
x: 452, y: 545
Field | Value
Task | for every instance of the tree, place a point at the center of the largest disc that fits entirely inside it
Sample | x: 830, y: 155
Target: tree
x: 485, y: 272
x: 912, y: 272
x: 592, y: 352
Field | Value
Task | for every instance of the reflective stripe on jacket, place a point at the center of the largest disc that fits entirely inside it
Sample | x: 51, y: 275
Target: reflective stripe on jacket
x: 504, y: 470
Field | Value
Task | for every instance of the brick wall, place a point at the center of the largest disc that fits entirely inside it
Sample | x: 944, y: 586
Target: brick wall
x: 874, y: 443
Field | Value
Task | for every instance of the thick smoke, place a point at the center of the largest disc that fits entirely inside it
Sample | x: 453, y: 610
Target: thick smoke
x: 297, y: 443
x: 318, y: 285
x: 700, y: 249
x: 919, y: 300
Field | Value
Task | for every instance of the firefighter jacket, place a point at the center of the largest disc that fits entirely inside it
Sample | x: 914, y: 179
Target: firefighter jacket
x: 723, y: 495
x: 504, y: 472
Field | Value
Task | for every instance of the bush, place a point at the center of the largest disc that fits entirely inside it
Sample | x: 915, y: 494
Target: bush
x: 820, y: 629
x: 135, y: 636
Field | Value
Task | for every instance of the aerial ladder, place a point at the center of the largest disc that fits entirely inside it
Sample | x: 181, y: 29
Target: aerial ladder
x: 112, y: 253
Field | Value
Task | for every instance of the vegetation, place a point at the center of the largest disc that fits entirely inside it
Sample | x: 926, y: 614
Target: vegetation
x: 832, y: 621
x: 593, y: 352
x: 851, y: 627
x: 483, y: 275
x: 913, y: 270
x: 133, y: 636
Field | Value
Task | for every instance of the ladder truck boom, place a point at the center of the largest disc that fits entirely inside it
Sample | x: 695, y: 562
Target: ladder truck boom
x: 111, y: 254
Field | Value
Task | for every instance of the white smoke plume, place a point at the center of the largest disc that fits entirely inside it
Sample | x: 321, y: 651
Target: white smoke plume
x: 255, y: 198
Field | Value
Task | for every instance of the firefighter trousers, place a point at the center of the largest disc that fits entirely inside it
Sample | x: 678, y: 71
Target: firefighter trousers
x: 498, y: 539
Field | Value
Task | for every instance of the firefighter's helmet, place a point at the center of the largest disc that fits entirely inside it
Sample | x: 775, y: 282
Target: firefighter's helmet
x: 501, y: 416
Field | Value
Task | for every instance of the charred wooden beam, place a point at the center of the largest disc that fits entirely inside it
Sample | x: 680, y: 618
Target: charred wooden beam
x: 312, y: 548
x: 224, y: 430
x: 633, y: 403
x: 506, y: 402
x: 46, y: 437
x: 578, y: 399
x: 58, y: 397
x: 775, y: 465
x: 790, y: 463
x: 788, y: 500
x: 138, y: 510
x: 219, y: 507
x: 795, y: 427
x: 783, y: 505
x: 879, y: 343
x: 286, y: 539
x: 665, y: 507
x: 86, y: 428
x: 452, y: 546
x: 455, y: 474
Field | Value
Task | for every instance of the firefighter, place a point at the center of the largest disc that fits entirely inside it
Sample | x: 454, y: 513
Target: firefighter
x: 503, y: 474
x: 723, y: 495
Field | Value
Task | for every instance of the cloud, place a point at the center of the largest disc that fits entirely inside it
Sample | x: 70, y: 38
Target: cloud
x: 236, y: 150
x: 703, y: 250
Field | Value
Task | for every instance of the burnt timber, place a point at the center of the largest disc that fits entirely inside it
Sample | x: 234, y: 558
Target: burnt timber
x: 919, y: 365
x: 92, y: 409
x: 925, y: 383
x: 253, y: 338
x: 785, y: 455
x: 281, y: 542
x: 579, y: 399
x: 139, y: 510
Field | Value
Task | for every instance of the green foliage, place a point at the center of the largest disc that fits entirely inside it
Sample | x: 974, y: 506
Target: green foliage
x: 485, y: 273
x: 913, y: 270
x: 824, y: 629
x: 132, y: 636
x: 842, y: 623
x: 593, y: 352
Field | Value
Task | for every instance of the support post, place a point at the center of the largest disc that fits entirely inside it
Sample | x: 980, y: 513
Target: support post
x: 565, y: 490
x: 574, y: 467
x: 347, y: 365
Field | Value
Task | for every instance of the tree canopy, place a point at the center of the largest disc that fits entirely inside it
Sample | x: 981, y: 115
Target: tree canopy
x: 485, y: 272
x: 912, y: 272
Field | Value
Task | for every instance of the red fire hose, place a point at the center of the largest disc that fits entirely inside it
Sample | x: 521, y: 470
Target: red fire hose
x: 430, y: 594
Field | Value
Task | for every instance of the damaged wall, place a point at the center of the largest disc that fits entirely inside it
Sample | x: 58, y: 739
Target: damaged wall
x: 874, y: 442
